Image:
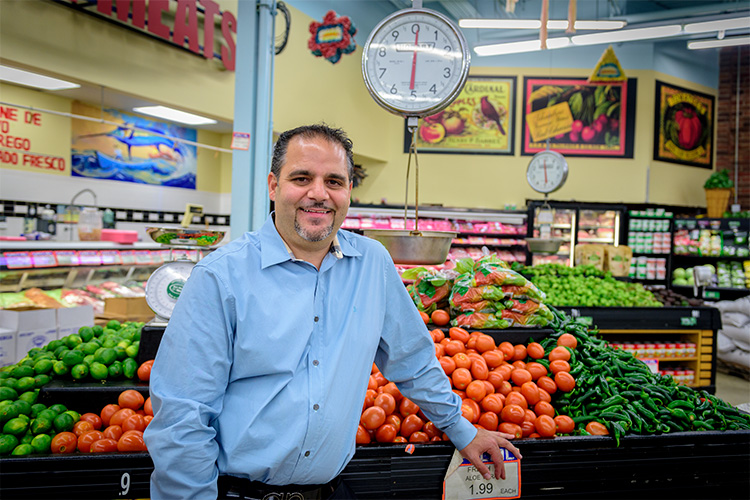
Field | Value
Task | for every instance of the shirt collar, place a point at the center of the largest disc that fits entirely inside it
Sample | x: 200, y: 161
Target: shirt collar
x: 274, y: 249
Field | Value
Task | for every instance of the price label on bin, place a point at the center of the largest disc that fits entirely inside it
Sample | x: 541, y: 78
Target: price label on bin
x: 464, y: 482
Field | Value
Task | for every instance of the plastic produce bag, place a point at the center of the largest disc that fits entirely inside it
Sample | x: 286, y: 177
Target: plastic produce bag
x: 431, y: 289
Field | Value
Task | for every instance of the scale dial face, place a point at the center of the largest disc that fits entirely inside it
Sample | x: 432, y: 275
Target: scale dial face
x: 547, y: 171
x: 165, y: 284
x: 415, y: 62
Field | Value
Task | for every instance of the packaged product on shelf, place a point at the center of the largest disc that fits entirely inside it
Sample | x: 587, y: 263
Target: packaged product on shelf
x: 590, y: 255
x: 430, y: 289
x: 617, y: 259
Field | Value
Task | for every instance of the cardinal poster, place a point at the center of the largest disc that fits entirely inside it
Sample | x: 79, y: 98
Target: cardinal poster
x: 683, y: 127
x: 578, y: 118
x: 479, y: 121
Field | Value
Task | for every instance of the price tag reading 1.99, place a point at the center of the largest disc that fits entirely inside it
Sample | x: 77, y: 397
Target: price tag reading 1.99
x: 464, y: 482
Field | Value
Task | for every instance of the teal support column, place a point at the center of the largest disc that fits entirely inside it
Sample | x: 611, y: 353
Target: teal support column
x: 253, y: 99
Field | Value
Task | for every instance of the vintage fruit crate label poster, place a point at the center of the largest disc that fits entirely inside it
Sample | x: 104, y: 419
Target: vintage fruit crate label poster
x: 579, y: 118
x: 683, y: 126
x: 479, y: 121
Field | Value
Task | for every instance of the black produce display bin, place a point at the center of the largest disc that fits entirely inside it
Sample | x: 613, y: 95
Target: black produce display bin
x: 649, y: 318
x: 687, y: 465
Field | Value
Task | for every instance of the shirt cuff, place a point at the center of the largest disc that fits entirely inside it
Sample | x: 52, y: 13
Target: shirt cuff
x: 461, y: 434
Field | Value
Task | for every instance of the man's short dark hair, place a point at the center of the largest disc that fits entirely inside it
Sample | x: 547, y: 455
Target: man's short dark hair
x: 333, y: 135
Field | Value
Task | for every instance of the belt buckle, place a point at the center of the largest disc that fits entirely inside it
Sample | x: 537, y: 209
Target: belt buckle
x: 288, y: 495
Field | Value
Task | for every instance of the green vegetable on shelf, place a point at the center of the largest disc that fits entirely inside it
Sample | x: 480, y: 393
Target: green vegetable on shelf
x: 165, y: 238
x: 719, y: 179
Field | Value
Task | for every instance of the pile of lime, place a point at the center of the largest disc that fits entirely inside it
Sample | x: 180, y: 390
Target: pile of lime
x: 98, y: 353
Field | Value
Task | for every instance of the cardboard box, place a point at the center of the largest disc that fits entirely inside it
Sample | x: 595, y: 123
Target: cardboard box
x: 130, y: 308
x: 33, y: 327
x: 7, y: 347
x: 71, y: 319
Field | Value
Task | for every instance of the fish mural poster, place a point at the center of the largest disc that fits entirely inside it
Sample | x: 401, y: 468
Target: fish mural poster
x: 479, y: 121
x: 130, y: 148
x: 577, y: 118
x: 683, y: 126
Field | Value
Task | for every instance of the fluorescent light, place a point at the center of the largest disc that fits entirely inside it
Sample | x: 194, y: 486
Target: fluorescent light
x: 712, y: 44
x: 29, y: 79
x: 723, y: 24
x: 174, y: 115
x: 598, y: 25
x: 517, y: 47
x: 519, y: 24
x: 535, y: 24
x: 627, y: 35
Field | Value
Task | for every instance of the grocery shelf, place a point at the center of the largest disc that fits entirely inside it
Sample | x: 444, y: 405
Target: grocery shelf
x: 657, y: 318
x: 708, y: 464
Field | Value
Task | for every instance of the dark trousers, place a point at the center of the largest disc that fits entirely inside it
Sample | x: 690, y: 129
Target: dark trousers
x: 235, y: 488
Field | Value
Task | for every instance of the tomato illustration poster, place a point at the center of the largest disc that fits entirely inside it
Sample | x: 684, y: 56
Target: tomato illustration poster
x: 479, y: 121
x: 579, y: 118
x: 683, y: 127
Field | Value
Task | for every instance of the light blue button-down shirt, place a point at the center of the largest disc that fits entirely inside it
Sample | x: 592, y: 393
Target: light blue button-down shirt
x: 263, y: 368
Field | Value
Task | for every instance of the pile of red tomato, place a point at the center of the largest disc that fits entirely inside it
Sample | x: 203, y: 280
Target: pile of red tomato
x: 504, y: 388
x: 118, y: 427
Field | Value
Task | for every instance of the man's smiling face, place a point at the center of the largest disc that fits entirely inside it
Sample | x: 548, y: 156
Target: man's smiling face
x: 312, y: 193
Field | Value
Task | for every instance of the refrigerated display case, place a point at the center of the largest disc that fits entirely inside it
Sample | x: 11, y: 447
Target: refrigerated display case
x: 575, y: 223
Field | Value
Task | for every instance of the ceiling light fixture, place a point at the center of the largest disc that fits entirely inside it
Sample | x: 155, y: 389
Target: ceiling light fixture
x: 713, y: 44
x: 21, y: 77
x: 535, y: 24
x: 174, y: 115
x: 723, y: 24
x: 518, y: 47
x: 628, y: 35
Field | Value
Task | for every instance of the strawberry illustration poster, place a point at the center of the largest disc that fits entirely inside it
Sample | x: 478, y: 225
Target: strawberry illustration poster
x: 579, y: 118
x: 683, y: 127
x: 479, y: 121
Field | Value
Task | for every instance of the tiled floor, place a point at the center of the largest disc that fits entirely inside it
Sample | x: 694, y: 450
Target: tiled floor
x: 733, y: 390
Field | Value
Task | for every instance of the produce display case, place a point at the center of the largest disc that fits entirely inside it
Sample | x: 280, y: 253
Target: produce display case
x: 647, y: 325
x: 721, y: 243
x: 649, y: 235
x: 576, y: 223
x: 681, y: 465
x: 677, y: 465
x: 501, y: 231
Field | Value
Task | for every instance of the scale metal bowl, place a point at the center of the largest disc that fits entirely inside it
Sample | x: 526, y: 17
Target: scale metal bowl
x: 414, y: 247
x: 180, y: 236
x: 544, y: 245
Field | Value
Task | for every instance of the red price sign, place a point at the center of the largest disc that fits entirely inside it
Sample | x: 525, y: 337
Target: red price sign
x: 110, y: 257
x: 90, y: 258
x: 18, y: 260
x: 67, y: 258
x: 44, y: 259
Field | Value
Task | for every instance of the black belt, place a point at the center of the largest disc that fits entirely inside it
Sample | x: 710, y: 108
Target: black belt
x: 235, y: 487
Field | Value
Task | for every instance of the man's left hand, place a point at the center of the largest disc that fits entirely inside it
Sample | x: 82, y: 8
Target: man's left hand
x: 489, y: 442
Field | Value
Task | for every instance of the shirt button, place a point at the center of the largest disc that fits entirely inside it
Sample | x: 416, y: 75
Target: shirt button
x: 307, y: 453
x: 316, y: 362
x: 315, y: 407
x: 316, y: 319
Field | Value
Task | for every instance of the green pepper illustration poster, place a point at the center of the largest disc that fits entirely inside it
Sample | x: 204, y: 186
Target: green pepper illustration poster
x: 479, y: 121
x: 588, y: 119
x: 683, y: 127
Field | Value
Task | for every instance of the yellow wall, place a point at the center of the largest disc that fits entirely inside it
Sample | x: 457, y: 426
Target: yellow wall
x: 309, y: 89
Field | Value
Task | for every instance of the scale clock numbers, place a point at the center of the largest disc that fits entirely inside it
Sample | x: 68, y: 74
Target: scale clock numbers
x: 547, y: 171
x: 415, y: 62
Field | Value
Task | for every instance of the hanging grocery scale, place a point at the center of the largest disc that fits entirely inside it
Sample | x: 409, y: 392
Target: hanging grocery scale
x: 415, y: 63
x: 546, y: 173
x: 165, y: 283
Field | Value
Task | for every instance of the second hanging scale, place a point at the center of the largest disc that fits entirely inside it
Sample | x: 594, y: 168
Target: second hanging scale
x: 415, y: 63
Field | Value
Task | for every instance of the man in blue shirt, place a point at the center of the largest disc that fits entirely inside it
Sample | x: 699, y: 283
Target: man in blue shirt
x: 262, y: 371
